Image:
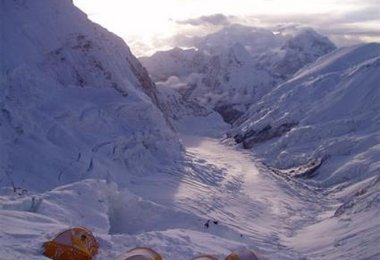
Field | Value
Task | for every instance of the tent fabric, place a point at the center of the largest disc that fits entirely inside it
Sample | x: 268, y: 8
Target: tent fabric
x: 242, y: 254
x: 205, y: 257
x: 72, y: 244
x: 140, y: 253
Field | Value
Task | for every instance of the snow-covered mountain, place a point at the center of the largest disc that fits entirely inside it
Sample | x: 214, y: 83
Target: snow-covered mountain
x: 324, y: 124
x: 234, y: 67
x: 311, y: 115
x: 87, y: 139
x: 328, y: 109
x: 75, y: 103
x: 84, y: 143
x: 256, y: 40
x: 303, y: 47
x: 175, y: 62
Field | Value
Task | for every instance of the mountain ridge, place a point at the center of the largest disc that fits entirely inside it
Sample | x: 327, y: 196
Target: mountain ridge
x: 233, y: 76
x: 56, y: 89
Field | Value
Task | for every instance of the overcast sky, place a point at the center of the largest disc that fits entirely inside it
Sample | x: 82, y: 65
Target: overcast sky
x: 149, y: 25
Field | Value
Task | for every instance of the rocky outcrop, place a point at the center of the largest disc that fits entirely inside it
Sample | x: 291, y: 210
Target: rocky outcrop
x: 252, y: 137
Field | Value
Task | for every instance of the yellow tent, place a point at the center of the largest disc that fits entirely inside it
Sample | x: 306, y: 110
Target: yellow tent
x: 72, y: 244
x: 242, y: 254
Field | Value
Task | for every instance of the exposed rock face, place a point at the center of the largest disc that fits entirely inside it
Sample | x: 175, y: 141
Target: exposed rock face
x: 252, y: 137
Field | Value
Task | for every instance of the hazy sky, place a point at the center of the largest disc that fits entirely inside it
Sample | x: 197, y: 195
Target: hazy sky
x: 148, y: 25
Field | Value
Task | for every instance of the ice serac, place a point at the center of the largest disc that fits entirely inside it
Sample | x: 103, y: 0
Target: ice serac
x: 235, y: 67
x: 75, y: 103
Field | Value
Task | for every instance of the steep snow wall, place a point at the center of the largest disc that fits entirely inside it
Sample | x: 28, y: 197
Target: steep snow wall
x: 75, y: 103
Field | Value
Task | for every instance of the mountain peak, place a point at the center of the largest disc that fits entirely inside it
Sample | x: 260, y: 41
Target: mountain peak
x: 239, y: 54
x: 309, y: 40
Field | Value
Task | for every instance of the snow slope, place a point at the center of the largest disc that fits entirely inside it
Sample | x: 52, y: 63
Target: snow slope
x: 234, y: 67
x: 328, y: 109
x: 218, y: 184
x: 75, y: 103
x: 323, y: 124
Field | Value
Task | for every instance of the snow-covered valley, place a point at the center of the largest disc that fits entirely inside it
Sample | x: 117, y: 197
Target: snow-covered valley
x: 168, y: 210
x: 244, y: 203
x: 87, y: 139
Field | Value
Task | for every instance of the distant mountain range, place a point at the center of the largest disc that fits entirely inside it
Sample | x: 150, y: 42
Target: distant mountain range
x: 305, y: 110
x: 233, y: 68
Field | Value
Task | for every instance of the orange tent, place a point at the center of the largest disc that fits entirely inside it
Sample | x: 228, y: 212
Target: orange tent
x: 140, y: 253
x: 242, y: 254
x: 72, y: 244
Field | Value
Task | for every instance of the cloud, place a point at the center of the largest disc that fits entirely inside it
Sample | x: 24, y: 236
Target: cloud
x: 350, y: 27
x: 370, y: 13
x: 215, y: 19
x: 374, y: 3
x: 359, y: 23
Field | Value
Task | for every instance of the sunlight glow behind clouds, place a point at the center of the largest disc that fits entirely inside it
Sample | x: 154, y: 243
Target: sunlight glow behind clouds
x: 146, y: 24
